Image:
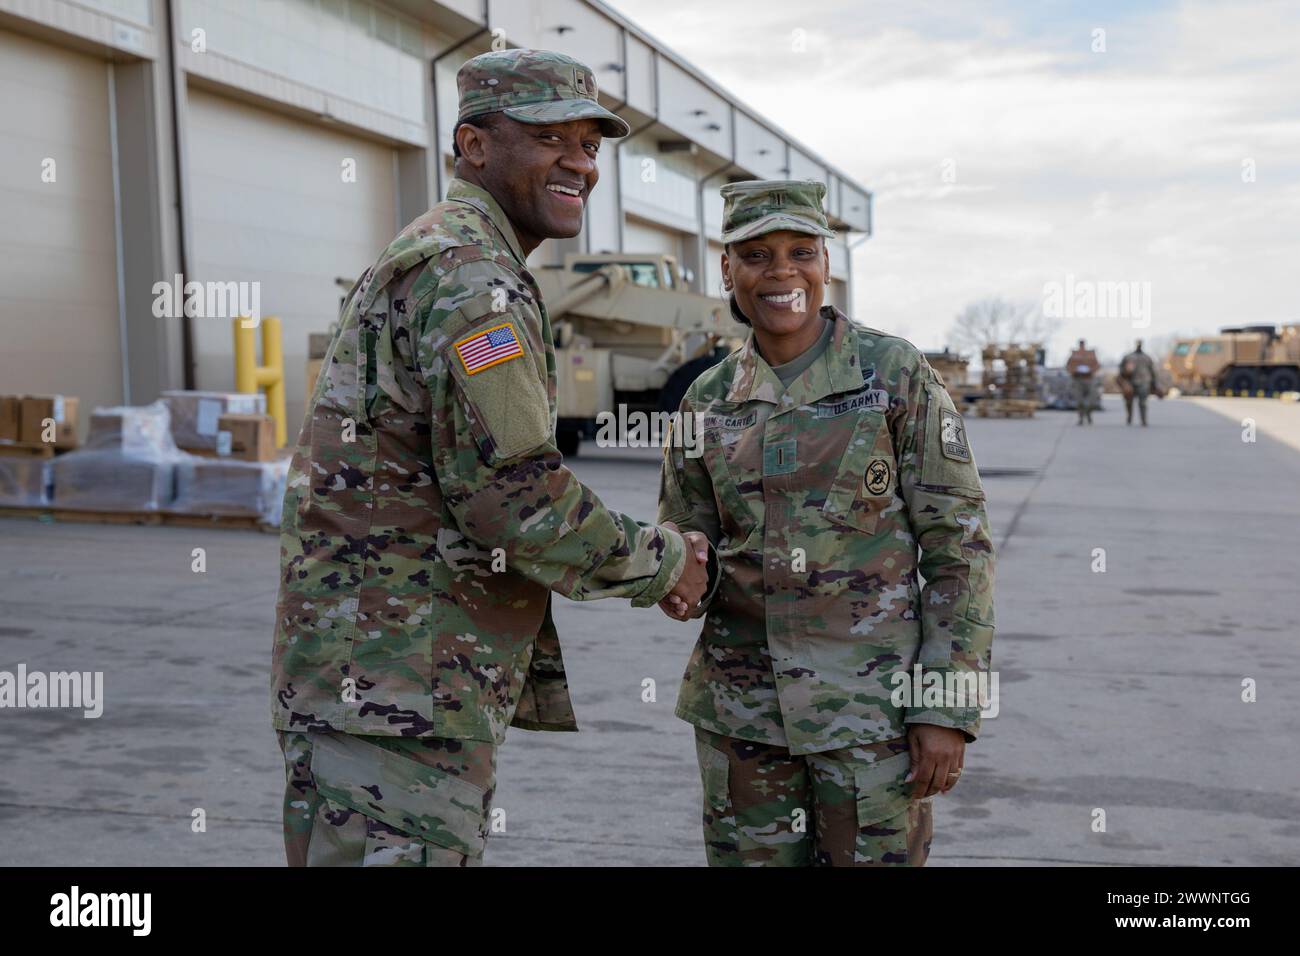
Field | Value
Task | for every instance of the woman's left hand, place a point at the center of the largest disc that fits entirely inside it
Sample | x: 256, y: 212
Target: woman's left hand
x: 937, y: 757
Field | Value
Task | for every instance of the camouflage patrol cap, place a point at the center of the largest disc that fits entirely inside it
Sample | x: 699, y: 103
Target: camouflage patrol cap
x: 758, y: 206
x: 533, y: 86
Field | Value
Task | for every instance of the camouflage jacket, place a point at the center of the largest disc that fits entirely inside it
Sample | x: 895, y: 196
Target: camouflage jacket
x: 817, y: 498
x: 428, y: 514
x: 1138, y: 369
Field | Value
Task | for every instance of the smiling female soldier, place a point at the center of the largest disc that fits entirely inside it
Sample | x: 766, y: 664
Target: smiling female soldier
x: 831, y: 455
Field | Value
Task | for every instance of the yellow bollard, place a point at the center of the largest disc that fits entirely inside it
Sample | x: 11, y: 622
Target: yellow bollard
x: 249, y: 376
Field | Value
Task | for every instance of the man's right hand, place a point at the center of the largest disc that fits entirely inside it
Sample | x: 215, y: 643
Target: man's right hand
x: 693, y: 583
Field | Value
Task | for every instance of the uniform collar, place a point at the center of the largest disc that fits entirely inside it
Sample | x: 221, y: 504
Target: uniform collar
x: 836, y: 370
x: 482, y: 200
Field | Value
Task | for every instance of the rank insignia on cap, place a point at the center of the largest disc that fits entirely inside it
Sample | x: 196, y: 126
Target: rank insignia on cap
x: 953, y: 436
x: 489, y: 347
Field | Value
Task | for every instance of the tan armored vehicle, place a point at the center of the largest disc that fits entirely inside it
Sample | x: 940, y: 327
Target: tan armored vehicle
x: 1242, y: 360
x: 1178, y: 364
x: 628, y: 333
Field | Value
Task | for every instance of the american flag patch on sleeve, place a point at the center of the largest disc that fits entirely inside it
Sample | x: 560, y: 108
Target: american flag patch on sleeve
x: 489, y: 347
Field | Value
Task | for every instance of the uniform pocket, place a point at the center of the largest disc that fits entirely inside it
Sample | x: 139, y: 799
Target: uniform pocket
x: 403, y: 794
x: 714, y: 775
x: 735, y: 517
x: 866, y: 478
x: 881, y: 792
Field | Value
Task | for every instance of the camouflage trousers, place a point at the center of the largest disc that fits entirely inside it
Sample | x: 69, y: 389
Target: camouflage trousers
x: 1140, y: 395
x: 385, y: 801
x: 1083, y: 399
x: 849, y: 807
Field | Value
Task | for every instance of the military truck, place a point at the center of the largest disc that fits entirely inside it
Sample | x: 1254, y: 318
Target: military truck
x: 1178, y: 364
x: 628, y: 332
x: 1240, y: 360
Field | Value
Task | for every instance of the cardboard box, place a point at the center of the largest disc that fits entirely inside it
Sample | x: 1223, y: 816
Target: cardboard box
x: 195, y: 415
x: 313, y: 373
x: 9, y: 417
x: 1082, y: 362
x: 246, y: 437
x: 136, y: 430
x: 34, y: 410
x: 318, y: 344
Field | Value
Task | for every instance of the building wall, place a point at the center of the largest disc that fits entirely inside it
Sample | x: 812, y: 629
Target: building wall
x: 269, y: 204
x: 58, y: 238
x: 271, y: 96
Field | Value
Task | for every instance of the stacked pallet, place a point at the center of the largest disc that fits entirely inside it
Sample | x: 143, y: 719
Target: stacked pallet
x: 1005, y: 407
x: 131, y: 470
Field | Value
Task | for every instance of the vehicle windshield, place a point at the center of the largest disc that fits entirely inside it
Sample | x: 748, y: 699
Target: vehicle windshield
x: 1207, y: 348
x: 1183, y: 348
x: 641, y: 273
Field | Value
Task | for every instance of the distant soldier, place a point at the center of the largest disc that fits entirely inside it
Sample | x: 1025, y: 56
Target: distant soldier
x: 1082, y: 367
x: 1137, y: 379
x: 429, y: 516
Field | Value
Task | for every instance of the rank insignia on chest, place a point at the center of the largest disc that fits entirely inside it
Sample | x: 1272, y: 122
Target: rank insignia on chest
x: 953, y: 436
x: 489, y: 347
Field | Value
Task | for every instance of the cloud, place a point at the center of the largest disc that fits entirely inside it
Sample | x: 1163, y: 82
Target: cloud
x: 1122, y: 165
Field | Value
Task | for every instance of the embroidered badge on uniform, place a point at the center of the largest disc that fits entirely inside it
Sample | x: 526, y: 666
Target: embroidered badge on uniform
x: 489, y: 347
x: 953, y: 436
x: 877, y: 479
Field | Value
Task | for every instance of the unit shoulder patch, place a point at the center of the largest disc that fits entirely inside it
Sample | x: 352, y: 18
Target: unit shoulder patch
x: 953, y: 437
x: 877, y: 477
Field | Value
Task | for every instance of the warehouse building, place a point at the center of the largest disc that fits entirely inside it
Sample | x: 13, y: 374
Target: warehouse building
x: 282, y: 143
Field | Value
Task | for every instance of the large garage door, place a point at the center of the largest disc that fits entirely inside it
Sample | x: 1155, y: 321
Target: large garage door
x: 58, y: 253
x: 269, y: 204
x: 643, y: 237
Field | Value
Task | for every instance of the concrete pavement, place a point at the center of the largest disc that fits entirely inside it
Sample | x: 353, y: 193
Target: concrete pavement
x: 1120, y: 691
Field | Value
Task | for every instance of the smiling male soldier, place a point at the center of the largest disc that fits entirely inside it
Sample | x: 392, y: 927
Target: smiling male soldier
x: 429, y: 515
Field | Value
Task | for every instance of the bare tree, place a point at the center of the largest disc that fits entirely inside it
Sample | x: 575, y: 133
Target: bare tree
x: 997, y: 321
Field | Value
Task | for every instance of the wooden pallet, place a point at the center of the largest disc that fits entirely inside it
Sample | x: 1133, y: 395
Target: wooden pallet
x: 1005, y: 407
x: 168, y: 518
x: 18, y: 449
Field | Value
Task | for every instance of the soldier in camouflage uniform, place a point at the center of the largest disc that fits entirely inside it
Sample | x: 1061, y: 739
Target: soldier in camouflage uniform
x: 831, y: 454
x: 1082, y: 366
x: 1137, y: 379
x: 428, y: 515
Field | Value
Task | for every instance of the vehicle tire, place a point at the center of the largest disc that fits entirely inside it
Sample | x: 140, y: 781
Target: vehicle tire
x: 1241, y: 380
x: 670, y: 396
x: 568, y: 440
x: 1283, y: 380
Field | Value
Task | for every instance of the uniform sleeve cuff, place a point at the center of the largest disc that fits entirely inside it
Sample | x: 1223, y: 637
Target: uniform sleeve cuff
x: 967, y: 720
x: 670, y: 569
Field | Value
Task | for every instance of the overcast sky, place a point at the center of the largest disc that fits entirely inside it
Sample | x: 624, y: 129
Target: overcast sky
x: 1119, y: 166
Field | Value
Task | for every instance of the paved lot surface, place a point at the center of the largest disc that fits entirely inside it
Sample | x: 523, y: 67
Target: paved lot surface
x: 1120, y: 691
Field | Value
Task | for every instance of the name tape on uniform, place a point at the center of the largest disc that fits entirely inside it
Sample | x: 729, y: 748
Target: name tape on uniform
x: 710, y: 420
x: 489, y: 347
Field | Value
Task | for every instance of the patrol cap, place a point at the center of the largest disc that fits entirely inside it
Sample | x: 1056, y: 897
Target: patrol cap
x: 758, y: 206
x: 533, y: 86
